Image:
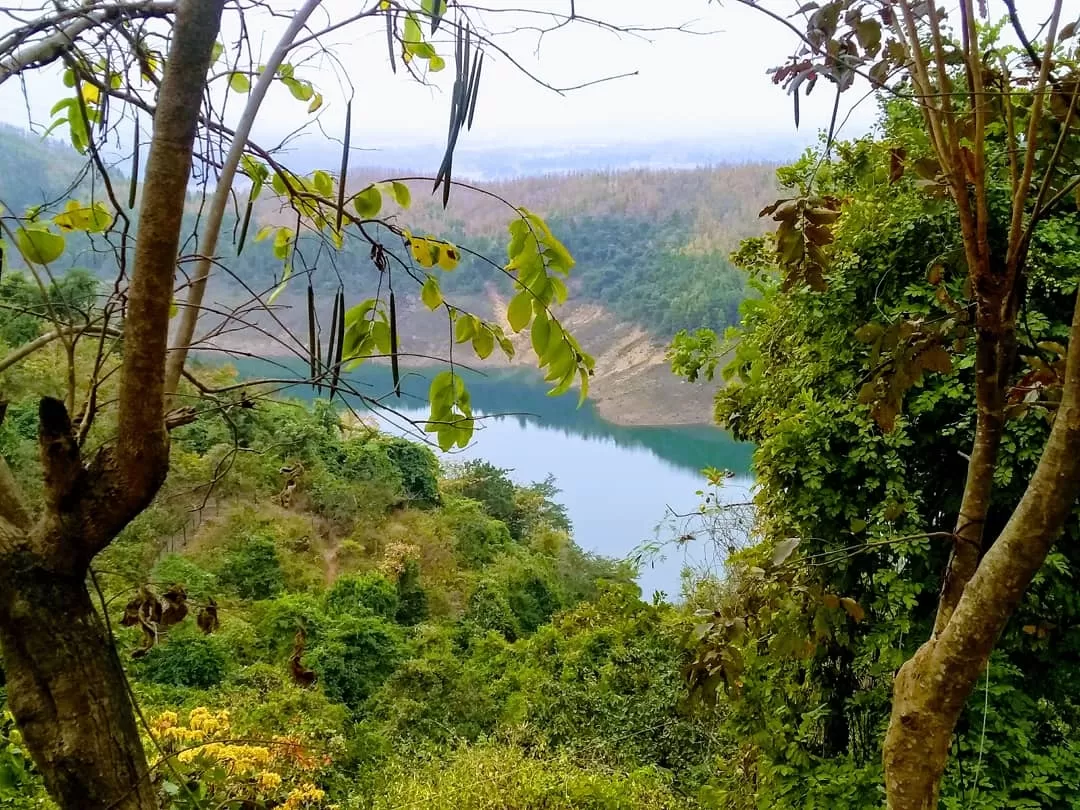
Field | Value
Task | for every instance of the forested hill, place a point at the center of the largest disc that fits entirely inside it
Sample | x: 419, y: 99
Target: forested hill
x: 651, y: 245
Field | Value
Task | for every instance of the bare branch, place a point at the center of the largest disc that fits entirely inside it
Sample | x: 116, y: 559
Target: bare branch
x: 63, y: 39
x: 190, y: 315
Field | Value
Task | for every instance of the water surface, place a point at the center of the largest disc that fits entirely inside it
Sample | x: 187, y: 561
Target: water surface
x: 619, y: 484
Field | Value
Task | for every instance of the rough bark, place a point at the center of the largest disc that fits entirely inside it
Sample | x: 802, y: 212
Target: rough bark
x: 66, y: 687
x: 930, y: 690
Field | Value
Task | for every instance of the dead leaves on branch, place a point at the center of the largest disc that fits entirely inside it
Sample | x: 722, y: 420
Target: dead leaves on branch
x: 804, y: 232
x: 154, y: 614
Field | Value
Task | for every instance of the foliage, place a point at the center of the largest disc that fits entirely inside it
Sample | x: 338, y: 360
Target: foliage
x: 842, y: 609
x: 355, y: 656
x: 253, y: 570
x: 186, y: 661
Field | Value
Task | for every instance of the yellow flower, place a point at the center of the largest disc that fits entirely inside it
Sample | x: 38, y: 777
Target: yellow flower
x: 267, y: 781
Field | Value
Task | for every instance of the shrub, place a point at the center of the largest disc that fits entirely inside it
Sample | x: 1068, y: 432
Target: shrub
x: 354, y: 658
x: 365, y: 593
x: 186, y: 661
x: 489, y: 609
x: 277, y: 620
x: 418, y: 469
x: 477, y: 537
x: 412, y: 598
x: 253, y: 570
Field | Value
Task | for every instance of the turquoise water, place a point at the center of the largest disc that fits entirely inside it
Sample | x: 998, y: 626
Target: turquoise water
x: 618, y: 483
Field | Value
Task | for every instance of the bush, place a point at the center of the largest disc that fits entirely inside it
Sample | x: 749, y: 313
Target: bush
x: 253, y: 570
x: 365, y: 593
x: 276, y: 622
x: 173, y: 568
x: 478, y: 538
x: 354, y: 658
x: 418, y: 469
x: 186, y: 661
x: 412, y: 598
x: 489, y: 609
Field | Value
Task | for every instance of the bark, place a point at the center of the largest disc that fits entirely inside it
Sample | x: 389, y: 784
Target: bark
x: 66, y: 687
x: 930, y: 689
x: 991, y: 368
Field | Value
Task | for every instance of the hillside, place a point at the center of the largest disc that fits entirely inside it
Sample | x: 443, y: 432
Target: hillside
x: 651, y: 249
x: 352, y: 625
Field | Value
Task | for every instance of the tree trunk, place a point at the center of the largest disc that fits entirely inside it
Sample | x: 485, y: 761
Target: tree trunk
x: 931, y: 689
x: 66, y: 690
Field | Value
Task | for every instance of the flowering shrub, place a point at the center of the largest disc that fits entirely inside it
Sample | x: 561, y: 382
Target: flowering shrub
x: 210, y: 764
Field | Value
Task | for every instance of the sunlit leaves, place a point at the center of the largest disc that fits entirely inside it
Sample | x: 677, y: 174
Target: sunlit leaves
x: 76, y: 216
x: 430, y: 293
x: 401, y: 193
x: 451, y: 417
x: 368, y: 202
x: 239, y: 83
x: 429, y: 252
x: 519, y: 313
x: 39, y: 245
x: 367, y: 333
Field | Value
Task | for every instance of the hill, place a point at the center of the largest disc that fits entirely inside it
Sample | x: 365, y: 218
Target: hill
x: 651, y: 247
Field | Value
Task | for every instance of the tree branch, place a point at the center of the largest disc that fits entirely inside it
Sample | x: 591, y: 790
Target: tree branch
x: 141, y: 451
x: 189, y: 317
x: 42, y: 341
x: 57, y: 44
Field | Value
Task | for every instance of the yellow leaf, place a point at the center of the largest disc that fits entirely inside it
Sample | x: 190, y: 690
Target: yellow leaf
x: 90, y: 94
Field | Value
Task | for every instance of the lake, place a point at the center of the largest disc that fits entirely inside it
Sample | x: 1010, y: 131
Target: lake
x: 620, y: 485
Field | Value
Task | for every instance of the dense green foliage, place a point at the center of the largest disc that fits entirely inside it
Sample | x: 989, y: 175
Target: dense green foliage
x: 459, y: 641
x: 811, y: 703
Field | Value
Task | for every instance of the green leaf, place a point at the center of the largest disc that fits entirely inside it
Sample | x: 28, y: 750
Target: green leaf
x: 316, y: 103
x: 584, y: 375
x: 368, y: 202
x: 541, y: 333
x: 410, y: 34
x: 264, y: 232
x: 465, y: 328
x: 436, y: 63
x: 285, y: 276
x: 39, y: 246
x: 402, y: 196
x: 519, y: 313
x: 216, y: 52
x: 483, y: 343
x: 430, y: 294
x: 239, y: 82
x: 323, y: 182
x: 447, y: 437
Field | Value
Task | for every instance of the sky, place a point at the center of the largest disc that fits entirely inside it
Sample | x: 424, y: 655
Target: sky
x: 710, y: 86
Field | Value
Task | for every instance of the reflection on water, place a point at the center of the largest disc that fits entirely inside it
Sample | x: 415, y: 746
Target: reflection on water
x: 618, y: 483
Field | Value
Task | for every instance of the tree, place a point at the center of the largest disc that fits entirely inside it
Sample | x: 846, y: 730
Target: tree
x: 999, y: 124
x: 105, y: 453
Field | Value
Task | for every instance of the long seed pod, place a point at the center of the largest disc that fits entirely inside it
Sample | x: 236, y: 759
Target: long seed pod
x: 390, y: 17
x: 340, y: 343
x: 134, y: 187
x: 474, y: 85
x: 313, y: 346
x: 344, y: 165
x: 245, y: 223
x: 394, y: 347
x: 331, y: 346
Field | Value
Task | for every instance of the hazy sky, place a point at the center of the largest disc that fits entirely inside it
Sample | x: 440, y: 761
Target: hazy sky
x: 688, y: 86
